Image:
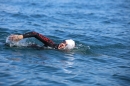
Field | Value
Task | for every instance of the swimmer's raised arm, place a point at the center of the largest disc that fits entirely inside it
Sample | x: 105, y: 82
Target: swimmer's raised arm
x: 40, y: 37
x: 66, y: 44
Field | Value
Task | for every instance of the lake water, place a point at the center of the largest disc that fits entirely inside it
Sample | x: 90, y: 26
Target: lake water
x: 100, y: 28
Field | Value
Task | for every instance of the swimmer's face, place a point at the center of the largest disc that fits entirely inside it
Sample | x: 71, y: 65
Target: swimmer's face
x: 62, y: 45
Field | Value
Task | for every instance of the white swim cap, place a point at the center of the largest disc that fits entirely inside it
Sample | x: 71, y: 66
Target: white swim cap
x: 70, y: 44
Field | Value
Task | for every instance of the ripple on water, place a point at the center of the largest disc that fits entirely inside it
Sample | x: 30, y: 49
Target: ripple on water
x: 100, y: 30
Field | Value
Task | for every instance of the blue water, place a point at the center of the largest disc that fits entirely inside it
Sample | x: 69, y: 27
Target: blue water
x: 100, y: 28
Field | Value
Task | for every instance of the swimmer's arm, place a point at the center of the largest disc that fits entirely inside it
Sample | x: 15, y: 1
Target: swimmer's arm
x: 22, y: 36
x: 38, y: 36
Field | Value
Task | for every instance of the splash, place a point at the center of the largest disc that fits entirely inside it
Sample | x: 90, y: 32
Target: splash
x: 17, y: 43
x: 82, y: 47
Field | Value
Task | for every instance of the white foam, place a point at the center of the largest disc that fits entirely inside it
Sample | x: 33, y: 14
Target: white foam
x: 16, y: 43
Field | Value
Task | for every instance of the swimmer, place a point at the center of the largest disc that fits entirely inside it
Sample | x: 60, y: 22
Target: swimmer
x: 66, y: 44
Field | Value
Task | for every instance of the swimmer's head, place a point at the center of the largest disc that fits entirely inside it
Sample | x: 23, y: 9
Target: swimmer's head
x: 70, y: 44
x: 67, y: 44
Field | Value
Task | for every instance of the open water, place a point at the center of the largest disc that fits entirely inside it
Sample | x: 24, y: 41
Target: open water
x: 100, y: 28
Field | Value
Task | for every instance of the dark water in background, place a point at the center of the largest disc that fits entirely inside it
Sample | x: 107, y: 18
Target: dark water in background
x: 101, y: 29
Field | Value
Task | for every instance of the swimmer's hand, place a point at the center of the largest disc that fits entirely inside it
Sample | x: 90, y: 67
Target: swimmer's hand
x: 15, y: 37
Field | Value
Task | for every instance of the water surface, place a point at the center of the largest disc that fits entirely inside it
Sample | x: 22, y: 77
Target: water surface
x: 101, y: 32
